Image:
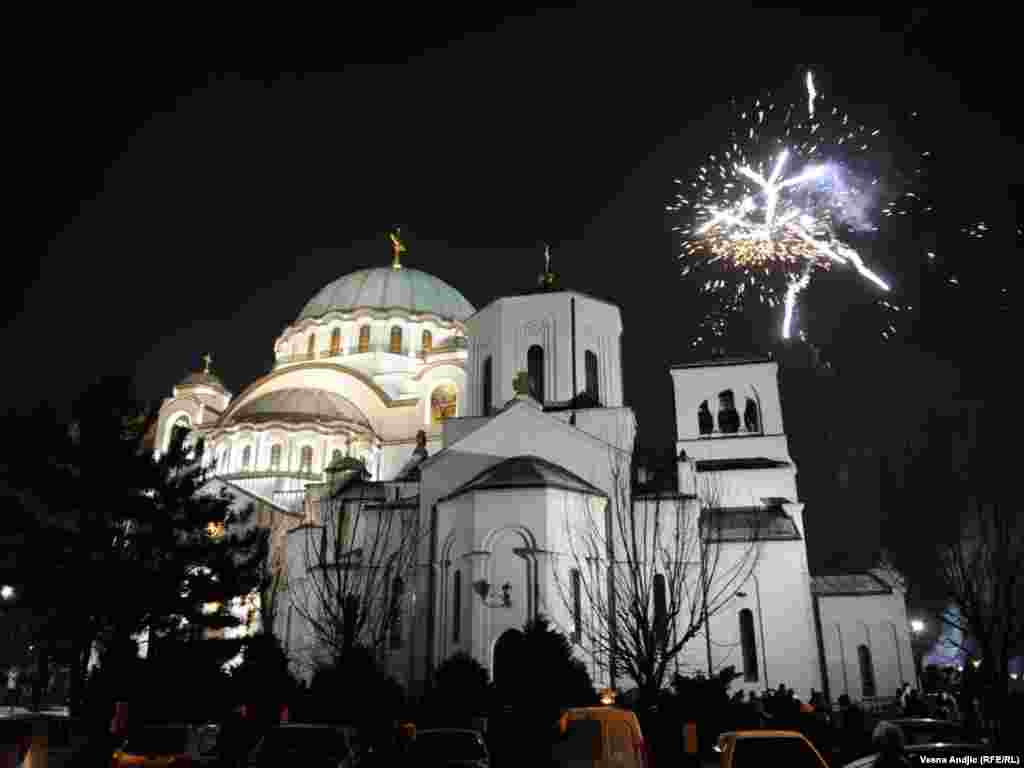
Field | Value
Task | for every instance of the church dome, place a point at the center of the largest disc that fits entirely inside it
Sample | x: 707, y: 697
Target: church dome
x: 300, y: 405
x: 202, y: 379
x: 388, y: 288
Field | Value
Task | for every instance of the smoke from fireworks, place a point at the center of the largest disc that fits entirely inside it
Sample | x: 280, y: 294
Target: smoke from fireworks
x: 782, y: 199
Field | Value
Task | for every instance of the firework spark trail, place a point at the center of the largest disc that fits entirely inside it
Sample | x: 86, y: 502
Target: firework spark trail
x: 794, y: 288
x: 769, y: 233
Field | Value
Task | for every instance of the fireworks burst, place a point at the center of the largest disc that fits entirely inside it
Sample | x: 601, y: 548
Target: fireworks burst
x: 765, y: 233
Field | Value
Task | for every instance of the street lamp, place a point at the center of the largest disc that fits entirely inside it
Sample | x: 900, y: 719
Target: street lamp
x: 917, y: 627
x: 7, y: 592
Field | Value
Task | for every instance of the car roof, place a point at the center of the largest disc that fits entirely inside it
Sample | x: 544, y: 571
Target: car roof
x: 601, y: 713
x: 449, y: 730
x: 763, y: 734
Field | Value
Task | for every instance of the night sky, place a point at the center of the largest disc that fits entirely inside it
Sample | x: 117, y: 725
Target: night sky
x: 185, y: 213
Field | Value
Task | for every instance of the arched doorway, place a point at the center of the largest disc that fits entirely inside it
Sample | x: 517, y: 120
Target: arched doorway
x: 505, y: 667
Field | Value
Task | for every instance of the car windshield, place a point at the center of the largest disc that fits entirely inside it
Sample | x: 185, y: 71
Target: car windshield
x: 795, y: 753
x: 306, y: 741
x: 157, y: 741
x: 449, y: 746
x: 933, y: 733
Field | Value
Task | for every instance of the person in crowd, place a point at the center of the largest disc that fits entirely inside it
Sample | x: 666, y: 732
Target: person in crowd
x: 889, y: 740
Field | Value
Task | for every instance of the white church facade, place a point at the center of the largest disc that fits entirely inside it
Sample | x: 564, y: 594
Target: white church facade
x: 491, y: 431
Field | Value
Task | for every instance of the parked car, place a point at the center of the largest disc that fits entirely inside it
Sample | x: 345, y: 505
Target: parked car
x: 601, y: 737
x: 307, y: 745
x: 740, y: 749
x: 928, y: 730
x: 158, y: 746
x: 921, y: 754
x: 461, y: 747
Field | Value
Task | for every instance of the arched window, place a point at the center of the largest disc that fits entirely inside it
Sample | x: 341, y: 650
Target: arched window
x: 705, y: 421
x: 397, y: 590
x: 306, y: 459
x: 535, y: 372
x: 748, y: 640
x: 660, y: 608
x: 728, y: 416
x: 396, y: 340
x: 443, y: 403
x: 751, y: 422
x: 867, y: 671
x: 275, y: 458
x: 487, y: 385
x: 179, y: 432
x: 246, y: 456
x: 311, y: 346
x: 336, y: 341
x: 590, y: 365
x: 428, y: 341
x: 456, y: 605
x: 364, y: 338
x: 576, y: 585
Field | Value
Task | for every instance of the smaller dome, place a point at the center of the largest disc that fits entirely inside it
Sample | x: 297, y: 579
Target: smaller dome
x: 200, y: 379
x: 297, y: 405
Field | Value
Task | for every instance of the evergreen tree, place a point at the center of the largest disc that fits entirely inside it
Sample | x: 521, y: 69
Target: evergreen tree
x: 117, y: 542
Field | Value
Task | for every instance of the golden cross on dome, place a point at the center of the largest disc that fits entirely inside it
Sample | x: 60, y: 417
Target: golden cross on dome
x: 207, y: 359
x: 397, y: 247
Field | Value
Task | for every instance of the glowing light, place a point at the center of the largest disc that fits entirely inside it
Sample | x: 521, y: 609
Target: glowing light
x: 917, y: 625
x: 6, y: 592
x: 811, y: 93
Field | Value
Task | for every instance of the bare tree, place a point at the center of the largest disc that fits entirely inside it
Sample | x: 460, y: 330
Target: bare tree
x: 359, y: 564
x: 648, y: 572
x: 981, y: 569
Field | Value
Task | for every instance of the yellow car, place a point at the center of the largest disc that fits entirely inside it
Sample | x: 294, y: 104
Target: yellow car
x: 740, y: 749
x: 163, y: 746
x: 599, y: 737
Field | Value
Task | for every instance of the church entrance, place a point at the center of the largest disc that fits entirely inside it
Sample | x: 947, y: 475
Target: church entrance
x: 507, y: 664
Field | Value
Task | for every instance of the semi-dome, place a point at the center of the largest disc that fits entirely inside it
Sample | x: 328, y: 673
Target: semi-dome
x: 388, y: 288
x: 300, y: 405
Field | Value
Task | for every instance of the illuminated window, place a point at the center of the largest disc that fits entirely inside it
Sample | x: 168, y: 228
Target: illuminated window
x: 428, y: 341
x: 590, y: 366
x: 487, y: 385
x: 535, y: 372
x: 748, y: 640
x: 246, y: 456
x: 456, y: 605
x: 867, y: 671
x: 275, y: 458
x: 576, y: 585
x: 336, y: 341
x: 443, y: 402
x: 311, y: 345
x: 215, y: 530
x: 395, y: 347
x: 306, y: 459
x: 364, y: 338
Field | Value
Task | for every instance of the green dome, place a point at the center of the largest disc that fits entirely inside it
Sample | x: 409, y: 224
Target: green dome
x: 388, y: 288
